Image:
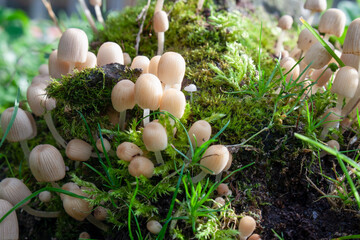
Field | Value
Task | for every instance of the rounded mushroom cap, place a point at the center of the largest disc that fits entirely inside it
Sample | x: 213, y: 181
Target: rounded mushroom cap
x: 14, y: 190
x: 219, y: 202
x: 95, y: 2
x: 84, y: 235
x: 9, y: 228
x: 77, y: 208
x: 318, y: 55
x: 254, y: 237
x: 45, y: 196
x: 154, y: 226
x: 89, y: 63
x: 33, y: 125
x: 315, y: 5
x: 70, y: 186
x: 228, y: 164
x: 141, y: 62
x: 155, y: 137
x: 214, y: 159
x: 141, y: 166
x: 351, y: 60
x: 322, y: 77
x: 285, y: 22
x: 332, y: 117
x: 332, y: 22
x: 190, y: 88
x: 174, y: 102
x: 46, y: 163
x: 153, y: 65
x: 100, y: 213
x: 44, y: 69
x: 222, y: 189
x: 345, y: 82
x: 201, y: 130
x: 38, y: 100
x: 306, y: 39
x: 21, y: 128
x: 289, y: 63
x: 351, y: 42
x: 107, y: 145
x: 56, y: 66
x: 148, y: 91
x: 73, y: 46
x: 78, y: 150
x: 123, y: 95
x: 171, y: 68
x: 127, y: 151
x: 127, y: 58
x: 109, y: 52
x: 333, y: 144
x: 247, y: 226
x: 161, y: 22
x: 43, y: 79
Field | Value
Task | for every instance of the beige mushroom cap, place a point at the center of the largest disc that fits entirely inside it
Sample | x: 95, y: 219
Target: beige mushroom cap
x: 174, y: 102
x: 171, y: 68
x: 77, y: 208
x: 201, y: 130
x: 153, y: 65
x: 289, y: 63
x: 148, y: 91
x: 107, y: 145
x: 21, y: 128
x: 127, y: 58
x: 154, y: 226
x: 14, y: 190
x: 285, y: 22
x: 38, y: 100
x: 44, y: 69
x: 306, y: 39
x: 161, y: 22
x: 351, y: 60
x: 46, y: 163
x: 73, y: 46
x: 322, y: 77
x: 345, y: 82
x: 9, y: 228
x: 78, y: 150
x: 45, y: 196
x: 318, y: 55
x: 332, y: 22
x: 141, y: 62
x: 57, y: 67
x: 315, y: 5
x: 155, y: 137
x: 214, y: 159
x: 123, y: 95
x: 247, y: 226
x: 351, y: 42
x: 110, y: 52
x: 332, y: 119
x: 96, y: 2
x: 89, y: 63
x: 100, y: 213
x: 141, y: 166
x: 127, y: 151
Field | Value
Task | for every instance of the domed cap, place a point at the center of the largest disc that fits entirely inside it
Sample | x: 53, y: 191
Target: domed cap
x: 153, y: 65
x: 56, y: 66
x: 73, y: 46
x: 123, y: 95
x: 110, y: 52
x: 318, y: 55
x: 289, y: 63
x: 155, y: 137
x: 89, y: 63
x: 332, y: 117
x: 322, y: 77
x: 171, y: 68
x: 78, y: 150
x: 351, y: 42
x: 148, y: 91
x: 247, y: 226
x: 96, y: 2
x: 345, y: 82
x: 44, y: 69
x: 214, y: 159
x: 154, y: 226
x: 38, y: 100
x: 77, y: 208
x: 127, y: 58
x: 141, y: 62
x: 201, y: 130
x: 14, y: 190
x: 285, y: 22
x: 46, y: 163
x: 161, y: 22
x: 9, y: 228
x: 21, y: 128
x: 174, y: 102
x: 127, y: 151
x: 315, y: 5
x: 106, y: 143
x: 351, y: 60
x: 306, y: 39
x: 332, y: 22
x: 141, y: 166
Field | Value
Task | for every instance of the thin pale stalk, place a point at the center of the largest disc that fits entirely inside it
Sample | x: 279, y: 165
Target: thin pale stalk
x: 279, y: 44
x: 99, y: 15
x: 122, y: 120
x: 161, y: 40
x: 54, y: 132
x: 146, y: 116
x: 199, y: 177
x: 97, y: 223
x: 311, y: 18
x: 25, y: 147
x: 159, y: 5
x: 41, y: 214
x: 88, y: 15
x: 326, y: 37
x: 159, y: 158
x: 339, y: 102
x: 200, y: 4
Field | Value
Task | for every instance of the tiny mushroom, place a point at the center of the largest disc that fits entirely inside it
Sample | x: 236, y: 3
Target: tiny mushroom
x: 78, y: 150
x: 127, y: 151
x: 141, y: 62
x: 106, y: 143
x: 171, y: 69
x: 314, y: 6
x: 141, y: 166
x: 190, y: 89
x: 247, y: 226
x: 109, y: 52
x: 332, y: 118
x: 285, y: 23
x: 161, y: 25
x: 97, y: 4
x: 9, y: 227
x: 155, y: 139
x: 154, y: 226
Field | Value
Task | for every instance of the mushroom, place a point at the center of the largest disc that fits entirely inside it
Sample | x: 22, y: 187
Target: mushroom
x: 100, y: 213
x: 351, y: 60
x: 127, y: 151
x: 148, y: 94
x: 78, y: 150
x: 14, y: 191
x: 314, y: 6
x: 73, y: 47
x: 322, y: 76
x: 171, y: 69
x: 44, y: 69
x: 57, y: 68
x: 88, y: 15
x: 97, y: 4
x: 127, y: 59
x: 332, y: 118
x: 228, y: 165
x: 292, y: 70
x: 161, y: 25
x: 254, y: 237
x: 20, y: 130
x: 141, y: 166
x: 212, y: 162
x: 153, y: 65
x: 45, y: 196
x: 190, y: 89
x: 219, y: 202
x: 285, y: 23
x: 109, y: 52
x: 9, y: 227
x: 155, y: 139
x: 332, y: 22
x: 174, y: 102
x: 247, y: 226
x: 331, y: 144
x: 345, y: 84
x: 89, y: 63
x: 199, y: 133
x: 123, y: 98
x: 223, y: 190
x: 84, y: 235
x: 99, y: 146
x: 77, y: 208
x: 305, y: 40
x: 154, y: 226
x: 141, y: 62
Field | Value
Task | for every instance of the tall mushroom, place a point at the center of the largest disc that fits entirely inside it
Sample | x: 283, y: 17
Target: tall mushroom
x: 155, y: 139
x: 161, y: 25
x: 109, y: 52
x: 97, y: 4
x: 332, y: 22
x: 285, y: 23
x: 171, y: 69
x: 314, y: 6
x: 345, y: 84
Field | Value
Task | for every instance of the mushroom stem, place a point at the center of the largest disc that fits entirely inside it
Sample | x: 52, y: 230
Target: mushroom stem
x: 199, y: 7
x: 122, y: 120
x: 218, y: 177
x: 97, y: 223
x: 279, y: 44
x: 159, y: 5
x: 88, y: 15
x: 146, y: 116
x: 311, y: 18
x: 191, y: 98
x: 161, y: 40
x: 99, y: 15
x: 159, y: 158
x: 25, y: 147
x: 339, y: 102
x: 326, y: 37
x: 54, y: 132
x: 41, y: 214
x: 199, y: 177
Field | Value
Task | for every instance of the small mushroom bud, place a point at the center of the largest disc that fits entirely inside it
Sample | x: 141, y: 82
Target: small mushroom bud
x: 100, y: 213
x: 154, y: 226
x: 109, y: 52
x: 9, y: 228
x: 174, y: 102
x: 223, y: 189
x: 141, y: 166
x: 254, y: 237
x: 84, y: 235
x: 141, y: 62
x: 127, y: 151
x: 127, y: 59
x: 247, y: 226
x: 219, y: 202
x: 290, y: 64
x: 44, y: 69
x: 285, y: 23
x: 45, y: 196
x: 331, y: 144
x: 171, y: 69
x: 161, y: 25
x: 332, y: 119
x: 89, y: 63
x: 153, y: 65
x: 155, y: 139
x: 78, y: 150
x: 201, y: 131
x: 77, y: 208
x: 190, y: 89
x: 107, y: 145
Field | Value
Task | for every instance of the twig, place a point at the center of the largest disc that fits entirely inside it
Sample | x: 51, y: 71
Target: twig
x: 321, y: 192
x: 138, y: 37
x: 88, y: 15
x: 52, y: 14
